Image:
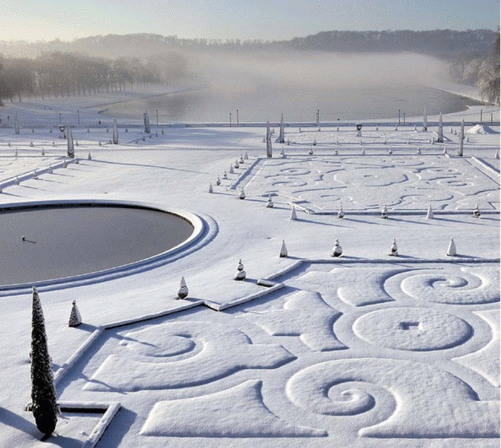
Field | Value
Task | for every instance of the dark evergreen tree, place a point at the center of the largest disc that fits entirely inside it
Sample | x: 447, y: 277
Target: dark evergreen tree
x: 43, y: 392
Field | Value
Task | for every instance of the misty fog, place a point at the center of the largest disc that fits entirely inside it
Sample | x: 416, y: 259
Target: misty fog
x: 263, y: 84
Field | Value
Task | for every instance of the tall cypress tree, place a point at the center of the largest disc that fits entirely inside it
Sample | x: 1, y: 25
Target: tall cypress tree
x: 43, y: 392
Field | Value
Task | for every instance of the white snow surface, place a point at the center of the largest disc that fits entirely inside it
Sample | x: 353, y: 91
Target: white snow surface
x: 365, y: 350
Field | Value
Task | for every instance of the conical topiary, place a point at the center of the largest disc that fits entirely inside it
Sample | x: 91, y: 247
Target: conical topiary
x: 242, y: 194
x: 429, y: 213
x: 340, y: 213
x: 283, y: 250
x: 384, y: 213
x: 210, y: 189
x: 451, y: 251
x: 182, y: 291
x: 237, y: 165
x: 476, y: 212
x: 218, y: 181
x: 293, y: 216
x: 394, y: 248
x: 337, y: 250
x: 43, y: 393
x: 75, y: 317
x: 269, y: 203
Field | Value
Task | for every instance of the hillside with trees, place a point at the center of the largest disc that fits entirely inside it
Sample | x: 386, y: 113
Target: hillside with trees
x: 94, y: 64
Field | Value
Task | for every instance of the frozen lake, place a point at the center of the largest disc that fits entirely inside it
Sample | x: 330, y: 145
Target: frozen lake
x: 268, y: 102
x: 70, y: 240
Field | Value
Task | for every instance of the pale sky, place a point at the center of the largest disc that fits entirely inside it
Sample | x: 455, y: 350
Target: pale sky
x: 33, y: 20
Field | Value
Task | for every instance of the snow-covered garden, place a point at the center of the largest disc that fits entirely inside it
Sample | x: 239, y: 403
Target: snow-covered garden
x: 359, y: 328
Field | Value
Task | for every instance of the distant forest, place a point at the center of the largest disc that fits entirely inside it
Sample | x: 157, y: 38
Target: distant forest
x: 117, y: 62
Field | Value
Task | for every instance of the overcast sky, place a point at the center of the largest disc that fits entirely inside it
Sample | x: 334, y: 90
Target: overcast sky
x: 34, y: 20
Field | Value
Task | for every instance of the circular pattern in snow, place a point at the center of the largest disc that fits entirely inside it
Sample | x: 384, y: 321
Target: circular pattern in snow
x: 369, y: 177
x: 415, y: 329
x: 458, y: 286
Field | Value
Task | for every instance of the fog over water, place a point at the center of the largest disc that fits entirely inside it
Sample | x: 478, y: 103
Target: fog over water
x: 262, y: 85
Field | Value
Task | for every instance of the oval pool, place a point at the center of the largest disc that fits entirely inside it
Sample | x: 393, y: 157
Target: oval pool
x: 53, y: 241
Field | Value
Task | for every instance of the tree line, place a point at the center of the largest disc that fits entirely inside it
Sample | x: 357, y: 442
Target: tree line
x: 60, y: 74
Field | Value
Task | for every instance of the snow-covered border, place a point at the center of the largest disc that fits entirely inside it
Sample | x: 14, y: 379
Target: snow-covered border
x: 202, y: 228
x: 109, y: 411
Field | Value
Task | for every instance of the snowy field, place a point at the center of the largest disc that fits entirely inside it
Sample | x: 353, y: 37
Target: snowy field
x: 364, y: 350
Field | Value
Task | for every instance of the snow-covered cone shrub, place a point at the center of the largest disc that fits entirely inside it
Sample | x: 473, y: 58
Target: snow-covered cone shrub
x: 218, y: 181
x: 337, y: 250
x: 31, y: 144
x: 231, y: 169
x: 269, y: 203
x: 363, y: 151
x: 384, y: 213
x: 385, y: 141
x: 496, y: 156
x: 314, y: 142
x: 210, y: 190
x: 418, y: 151
x: 43, y: 393
x: 17, y: 180
x: 310, y: 152
x: 282, y: 152
x: 75, y: 317
x: 182, y: 291
x: 237, y: 165
x: 77, y: 160
x: 242, y: 194
x: 340, y: 213
x: 43, y: 152
x: 35, y: 174
x: 336, y: 152
x: 241, y: 159
x: 99, y: 144
x: 89, y: 157
x: 240, y: 274
x: 390, y: 151
x: 65, y: 164
x: 50, y: 169
x: 429, y: 213
x: 394, y: 248
x: 293, y: 216
x: 246, y: 156
x: 225, y: 175
x: 476, y: 212
x: 283, y: 250
x: 451, y: 251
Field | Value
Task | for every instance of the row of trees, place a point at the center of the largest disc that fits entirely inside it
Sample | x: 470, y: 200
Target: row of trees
x: 66, y: 74
x: 479, y: 70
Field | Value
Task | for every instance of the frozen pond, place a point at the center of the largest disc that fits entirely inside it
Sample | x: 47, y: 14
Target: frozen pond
x: 63, y: 241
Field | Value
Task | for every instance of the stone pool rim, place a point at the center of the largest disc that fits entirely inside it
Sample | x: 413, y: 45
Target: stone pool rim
x: 200, y: 229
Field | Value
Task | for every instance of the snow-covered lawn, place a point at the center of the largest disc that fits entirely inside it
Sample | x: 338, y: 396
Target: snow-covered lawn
x: 364, y: 350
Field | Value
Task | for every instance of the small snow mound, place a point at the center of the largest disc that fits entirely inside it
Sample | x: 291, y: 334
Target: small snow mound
x: 480, y: 129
